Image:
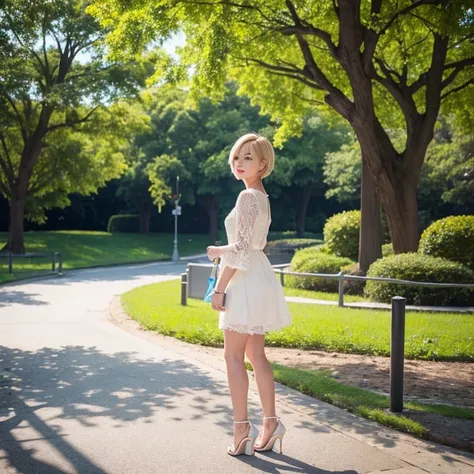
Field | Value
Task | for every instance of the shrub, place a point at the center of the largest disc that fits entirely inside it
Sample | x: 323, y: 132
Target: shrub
x: 341, y: 234
x: 290, y: 245
x: 418, y: 267
x: 312, y: 260
x: 387, y: 249
x: 124, y: 223
x: 290, y: 234
x: 451, y: 238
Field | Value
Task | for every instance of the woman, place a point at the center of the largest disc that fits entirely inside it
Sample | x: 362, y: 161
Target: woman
x: 249, y: 296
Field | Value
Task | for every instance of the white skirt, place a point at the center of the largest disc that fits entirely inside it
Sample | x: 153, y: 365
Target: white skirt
x: 254, y: 302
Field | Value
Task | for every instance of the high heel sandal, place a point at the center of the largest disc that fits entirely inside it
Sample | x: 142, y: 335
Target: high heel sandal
x: 275, y: 443
x: 246, y: 445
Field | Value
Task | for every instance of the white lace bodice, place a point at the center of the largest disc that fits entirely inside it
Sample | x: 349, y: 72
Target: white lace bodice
x: 247, y: 228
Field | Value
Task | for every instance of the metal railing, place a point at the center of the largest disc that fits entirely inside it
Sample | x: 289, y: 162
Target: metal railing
x: 56, y: 259
x: 341, y: 277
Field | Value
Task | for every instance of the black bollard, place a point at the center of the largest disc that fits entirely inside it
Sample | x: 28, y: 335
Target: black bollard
x: 184, y: 289
x: 397, y: 353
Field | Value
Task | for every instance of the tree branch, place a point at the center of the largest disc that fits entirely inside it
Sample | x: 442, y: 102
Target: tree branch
x: 45, y: 55
x: 298, y: 78
x: 72, y: 123
x: 7, y: 155
x: 457, y: 67
x: 467, y: 37
x: 24, y: 133
x: 415, y: 4
x: 58, y: 43
x: 457, y: 89
x: 398, y: 91
x: 312, y: 101
x: 30, y: 50
x: 287, y: 71
x: 313, y: 31
x: 434, y: 78
x: 4, y: 189
x: 5, y: 168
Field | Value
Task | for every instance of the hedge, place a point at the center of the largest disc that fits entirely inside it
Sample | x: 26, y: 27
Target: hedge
x: 451, y: 238
x: 124, y: 223
x: 312, y: 260
x: 423, y: 268
x: 341, y: 234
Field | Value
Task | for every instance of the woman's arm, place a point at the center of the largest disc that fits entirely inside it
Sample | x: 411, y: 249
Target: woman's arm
x: 221, y: 285
x: 237, y: 255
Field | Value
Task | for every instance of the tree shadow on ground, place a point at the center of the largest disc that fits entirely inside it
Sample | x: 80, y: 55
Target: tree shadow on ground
x: 84, y: 384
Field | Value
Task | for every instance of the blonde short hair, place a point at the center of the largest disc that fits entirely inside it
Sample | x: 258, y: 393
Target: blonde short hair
x: 260, y: 147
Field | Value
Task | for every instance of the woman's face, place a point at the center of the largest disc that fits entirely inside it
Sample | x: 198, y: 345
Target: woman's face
x: 244, y: 165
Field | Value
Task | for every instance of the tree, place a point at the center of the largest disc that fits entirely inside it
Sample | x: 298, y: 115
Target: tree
x: 192, y: 143
x: 377, y: 64
x: 449, y: 169
x: 53, y: 77
x: 219, y: 126
x: 306, y: 155
x: 134, y: 188
x: 342, y: 172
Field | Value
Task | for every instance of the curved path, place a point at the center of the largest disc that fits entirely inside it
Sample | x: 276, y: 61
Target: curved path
x: 79, y: 394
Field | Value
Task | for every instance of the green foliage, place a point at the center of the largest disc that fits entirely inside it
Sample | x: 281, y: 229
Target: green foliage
x: 82, y: 159
x: 291, y: 244
x: 420, y: 268
x: 290, y: 57
x: 387, y: 250
x: 312, y: 260
x: 342, y: 173
x: 451, y: 238
x: 449, y: 166
x: 124, y: 223
x: 341, y: 234
x: 306, y: 152
x: 59, y: 115
x: 217, y: 46
x: 290, y: 234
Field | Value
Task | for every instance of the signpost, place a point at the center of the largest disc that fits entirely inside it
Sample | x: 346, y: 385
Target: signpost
x: 176, y: 212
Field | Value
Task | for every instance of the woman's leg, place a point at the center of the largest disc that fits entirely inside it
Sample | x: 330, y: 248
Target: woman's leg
x: 255, y: 351
x: 234, y: 354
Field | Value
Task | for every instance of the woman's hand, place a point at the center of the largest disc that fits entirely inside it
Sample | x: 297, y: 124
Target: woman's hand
x: 218, y: 301
x: 213, y: 252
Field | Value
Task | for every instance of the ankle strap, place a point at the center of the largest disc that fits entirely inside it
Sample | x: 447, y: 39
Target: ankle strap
x: 239, y: 422
x: 271, y: 418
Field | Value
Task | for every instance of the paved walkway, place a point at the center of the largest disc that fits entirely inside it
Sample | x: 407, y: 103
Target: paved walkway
x: 80, y: 393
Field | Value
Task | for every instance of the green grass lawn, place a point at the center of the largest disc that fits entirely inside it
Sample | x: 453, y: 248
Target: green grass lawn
x: 429, y: 336
x: 319, y: 295
x: 82, y: 249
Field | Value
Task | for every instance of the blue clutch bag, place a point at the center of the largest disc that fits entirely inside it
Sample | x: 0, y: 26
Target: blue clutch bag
x: 212, y: 279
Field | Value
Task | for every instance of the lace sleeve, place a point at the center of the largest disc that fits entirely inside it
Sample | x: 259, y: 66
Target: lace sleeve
x: 238, y: 255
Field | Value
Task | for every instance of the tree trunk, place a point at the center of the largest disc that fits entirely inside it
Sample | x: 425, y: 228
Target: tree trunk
x: 370, y: 241
x: 15, y: 242
x: 400, y: 205
x: 29, y: 158
x: 145, y: 215
x: 302, y: 207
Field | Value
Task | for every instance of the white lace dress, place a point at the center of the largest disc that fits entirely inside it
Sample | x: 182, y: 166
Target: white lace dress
x: 255, y: 303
